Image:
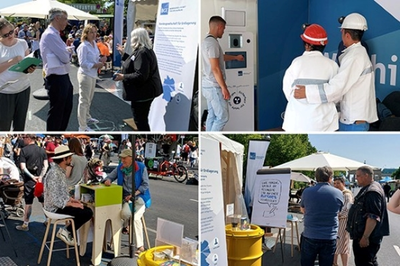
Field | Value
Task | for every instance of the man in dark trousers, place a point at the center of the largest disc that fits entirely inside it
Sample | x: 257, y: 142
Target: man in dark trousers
x: 56, y: 64
x: 368, y: 220
x: 321, y: 222
x: 387, y: 189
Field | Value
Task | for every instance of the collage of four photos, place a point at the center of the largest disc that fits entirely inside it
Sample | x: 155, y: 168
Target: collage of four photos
x: 205, y: 132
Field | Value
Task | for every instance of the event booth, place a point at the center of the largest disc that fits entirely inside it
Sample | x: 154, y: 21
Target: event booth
x: 276, y: 27
x: 232, y: 171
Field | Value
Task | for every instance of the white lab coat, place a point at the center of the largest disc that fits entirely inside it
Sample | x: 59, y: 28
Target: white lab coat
x: 354, y: 86
x: 300, y: 115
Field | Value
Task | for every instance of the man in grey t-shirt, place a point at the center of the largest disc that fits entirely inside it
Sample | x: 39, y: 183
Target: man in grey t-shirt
x: 214, y: 88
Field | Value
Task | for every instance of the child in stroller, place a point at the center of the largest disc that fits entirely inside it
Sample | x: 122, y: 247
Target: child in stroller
x: 95, y: 170
x: 11, y: 192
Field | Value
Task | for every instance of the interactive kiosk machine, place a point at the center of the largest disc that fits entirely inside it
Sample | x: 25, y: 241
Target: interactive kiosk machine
x: 239, y: 74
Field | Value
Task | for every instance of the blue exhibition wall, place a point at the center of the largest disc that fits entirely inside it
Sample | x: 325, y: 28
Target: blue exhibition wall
x: 279, y: 27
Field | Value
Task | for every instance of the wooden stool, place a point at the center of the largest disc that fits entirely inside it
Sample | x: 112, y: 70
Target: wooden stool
x: 293, y: 223
x: 145, y: 232
x: 57, y: 219
x: 144, y: 229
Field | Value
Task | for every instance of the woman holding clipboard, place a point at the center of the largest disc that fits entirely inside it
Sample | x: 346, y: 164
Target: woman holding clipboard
x: 14, y: 86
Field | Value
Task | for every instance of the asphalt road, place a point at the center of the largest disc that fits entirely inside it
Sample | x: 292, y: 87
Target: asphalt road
x: 106, y: 106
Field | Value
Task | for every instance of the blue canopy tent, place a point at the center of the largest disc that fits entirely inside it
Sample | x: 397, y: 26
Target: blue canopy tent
x: 386, y: 179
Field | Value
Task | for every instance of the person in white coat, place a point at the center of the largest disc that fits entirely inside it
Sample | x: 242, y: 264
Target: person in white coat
x: 312, y: 67
x: 354, y: 85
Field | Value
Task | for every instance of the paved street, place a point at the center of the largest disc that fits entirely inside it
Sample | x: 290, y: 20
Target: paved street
x: 106, y: 105
x: 173, y: 201
x: 388, y: 255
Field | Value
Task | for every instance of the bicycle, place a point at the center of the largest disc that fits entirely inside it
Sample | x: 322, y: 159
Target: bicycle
x: 167, y: 168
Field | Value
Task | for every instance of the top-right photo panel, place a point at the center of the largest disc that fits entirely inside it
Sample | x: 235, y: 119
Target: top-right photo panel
x: 300, y: 66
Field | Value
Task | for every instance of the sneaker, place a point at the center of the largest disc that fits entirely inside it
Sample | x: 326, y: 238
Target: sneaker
x: 86, y: 129
x: 92, y: 120
x: 65, y: 236
x: 22, y: 227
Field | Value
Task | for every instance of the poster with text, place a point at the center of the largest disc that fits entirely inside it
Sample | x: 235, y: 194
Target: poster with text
x: 271, y: 197
x: 213, y: 239
x: 175, y: 44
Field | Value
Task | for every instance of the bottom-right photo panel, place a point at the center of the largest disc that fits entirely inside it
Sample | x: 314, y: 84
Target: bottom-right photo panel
x: 299, y: 199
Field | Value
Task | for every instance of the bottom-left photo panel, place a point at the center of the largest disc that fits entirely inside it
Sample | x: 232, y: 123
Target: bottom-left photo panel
x: 99, y: 199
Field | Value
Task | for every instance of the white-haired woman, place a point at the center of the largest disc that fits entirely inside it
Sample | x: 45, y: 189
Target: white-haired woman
x: 14, y: 97
x: 140, y: 77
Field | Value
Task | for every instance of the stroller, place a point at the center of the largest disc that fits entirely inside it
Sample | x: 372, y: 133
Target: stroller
x: 11, y: 192
x: 95, y: 171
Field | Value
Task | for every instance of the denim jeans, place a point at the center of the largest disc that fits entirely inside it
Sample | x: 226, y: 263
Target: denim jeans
x: 353, y: 127
x: 310, y: 248
x: 365, y: 256
x: 218, y: 113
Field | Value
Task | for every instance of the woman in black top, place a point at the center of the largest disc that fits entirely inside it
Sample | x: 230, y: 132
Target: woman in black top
x: 140, y: 77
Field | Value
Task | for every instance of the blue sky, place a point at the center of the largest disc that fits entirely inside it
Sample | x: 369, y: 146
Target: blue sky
x: 7, y: 3
x: 380, y: 150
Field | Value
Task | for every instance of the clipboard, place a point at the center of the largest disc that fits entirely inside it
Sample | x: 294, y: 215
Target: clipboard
x: 25, y: 63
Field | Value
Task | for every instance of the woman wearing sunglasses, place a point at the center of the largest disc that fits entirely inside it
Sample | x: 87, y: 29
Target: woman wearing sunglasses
x: 14, y: 86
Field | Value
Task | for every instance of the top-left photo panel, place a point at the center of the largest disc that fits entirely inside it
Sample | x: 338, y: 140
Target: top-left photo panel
x: 111, y: 65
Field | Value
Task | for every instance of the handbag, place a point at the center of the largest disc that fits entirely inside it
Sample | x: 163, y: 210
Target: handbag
x: 126, y: 211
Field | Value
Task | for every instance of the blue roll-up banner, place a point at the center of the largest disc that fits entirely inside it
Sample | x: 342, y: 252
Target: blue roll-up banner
x: 279, y: 28
x: 118, y: 30
x: 255, y: 160
x: 175, y: 44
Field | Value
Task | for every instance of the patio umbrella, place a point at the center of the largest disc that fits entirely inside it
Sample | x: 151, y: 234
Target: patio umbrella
x: 82, y: 137
x: 40, y: 9
x: 300, y: 177
x: 318, y: 159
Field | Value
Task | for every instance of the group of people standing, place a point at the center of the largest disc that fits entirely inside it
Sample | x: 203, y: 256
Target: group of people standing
x: 139, y: 75
x: 314, y: 84
x: 328, y: 229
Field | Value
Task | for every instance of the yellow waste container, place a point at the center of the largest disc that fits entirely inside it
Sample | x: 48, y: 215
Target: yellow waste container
x: 244, y: 246
x: 147, y: 258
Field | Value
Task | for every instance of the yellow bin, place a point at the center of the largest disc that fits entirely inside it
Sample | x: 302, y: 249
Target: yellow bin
x: 244, y: 246
x: 147, y: 259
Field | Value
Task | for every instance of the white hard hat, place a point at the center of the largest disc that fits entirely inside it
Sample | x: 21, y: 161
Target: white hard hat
x: 354, y: 21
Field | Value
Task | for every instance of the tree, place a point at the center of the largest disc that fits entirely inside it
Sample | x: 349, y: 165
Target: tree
x: 287, y: 147
x: 396, y: 174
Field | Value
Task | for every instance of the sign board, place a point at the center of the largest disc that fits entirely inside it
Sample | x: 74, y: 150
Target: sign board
x: 271, y: 197
x: 213, y: 239
x: 150, y: 150
x: 175, y: 44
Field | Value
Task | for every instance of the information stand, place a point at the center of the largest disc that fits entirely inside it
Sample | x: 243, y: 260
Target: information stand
x: 107, y: 205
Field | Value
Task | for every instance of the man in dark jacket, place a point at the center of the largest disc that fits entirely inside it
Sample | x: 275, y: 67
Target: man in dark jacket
x: 368, y: 220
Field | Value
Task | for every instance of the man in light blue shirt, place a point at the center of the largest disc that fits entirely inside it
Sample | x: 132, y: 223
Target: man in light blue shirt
x: 56, y: 64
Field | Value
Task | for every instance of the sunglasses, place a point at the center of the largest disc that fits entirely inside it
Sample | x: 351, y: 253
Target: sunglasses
x: 8, y: 34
